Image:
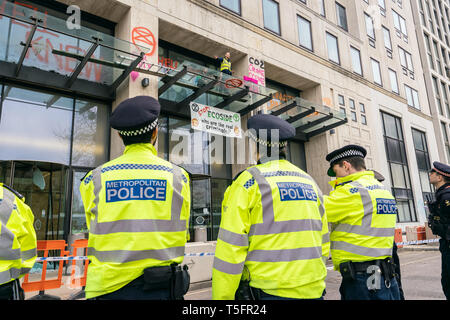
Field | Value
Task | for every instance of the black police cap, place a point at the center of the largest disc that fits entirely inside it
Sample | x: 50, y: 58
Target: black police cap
x: 136, y: 116
x: 348, y: 151
x: 263, y: 124
x: 441, y: 168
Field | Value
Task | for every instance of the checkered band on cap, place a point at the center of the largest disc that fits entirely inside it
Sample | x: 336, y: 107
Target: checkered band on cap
x: 347, y: 154
x: 138, y: 132
x: 266, y: 143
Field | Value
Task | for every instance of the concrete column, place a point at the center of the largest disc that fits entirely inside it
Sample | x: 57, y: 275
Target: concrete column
x: 139, y: 26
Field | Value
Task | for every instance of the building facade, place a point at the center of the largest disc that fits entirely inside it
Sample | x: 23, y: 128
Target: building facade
x: 340, y: 71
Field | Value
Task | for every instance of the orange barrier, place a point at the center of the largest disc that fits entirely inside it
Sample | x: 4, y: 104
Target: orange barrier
x: 80, y: 281
x: 44, y: 284
x: 398, y: 237
x: 421, y: 234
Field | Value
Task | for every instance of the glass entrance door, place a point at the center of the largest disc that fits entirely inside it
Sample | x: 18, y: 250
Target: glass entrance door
x: 43, y: 186
x: 200, y: 225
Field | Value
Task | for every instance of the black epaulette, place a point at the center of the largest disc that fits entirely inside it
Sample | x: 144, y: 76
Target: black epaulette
x: 236, y: 176
x: 343, y: 183
x: 84, y: 176
x: 17, y: 194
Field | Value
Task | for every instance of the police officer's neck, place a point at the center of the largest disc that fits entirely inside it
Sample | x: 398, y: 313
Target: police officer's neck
x: 351, y: 172
x: 439, y: 184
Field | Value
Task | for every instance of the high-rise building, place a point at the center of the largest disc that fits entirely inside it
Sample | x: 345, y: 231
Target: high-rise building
x: 340, y: 71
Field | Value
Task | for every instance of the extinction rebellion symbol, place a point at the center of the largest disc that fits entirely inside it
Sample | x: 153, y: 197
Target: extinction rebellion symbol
x: 195, y: 107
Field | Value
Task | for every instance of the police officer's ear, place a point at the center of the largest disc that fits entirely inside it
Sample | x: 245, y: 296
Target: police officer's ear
x: 154, y: 135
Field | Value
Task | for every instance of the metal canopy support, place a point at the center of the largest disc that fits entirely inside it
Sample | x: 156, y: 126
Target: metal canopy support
x: 126, y: 72
x: 255, y: 105
x: 171, y: 80
x: 83, y: 62
x: 326, y: 128
x: 288, y: 106
x: 238, y: 95
x: 301, y: 115
x: 313, y: 123
x: 27, y: 45
x: 198, y: 93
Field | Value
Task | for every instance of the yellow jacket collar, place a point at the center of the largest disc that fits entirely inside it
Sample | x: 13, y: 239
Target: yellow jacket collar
x: 351, y: 177
x: 140, y: 147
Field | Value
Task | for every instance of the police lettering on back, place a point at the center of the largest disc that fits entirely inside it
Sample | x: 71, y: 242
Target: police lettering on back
x: 137, y: 189
x: 296, y: 191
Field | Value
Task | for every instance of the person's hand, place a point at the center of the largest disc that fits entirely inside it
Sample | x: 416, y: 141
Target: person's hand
x: 216, y: 57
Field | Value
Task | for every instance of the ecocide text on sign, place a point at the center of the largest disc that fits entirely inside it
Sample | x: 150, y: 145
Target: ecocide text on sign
x: 215, y: 120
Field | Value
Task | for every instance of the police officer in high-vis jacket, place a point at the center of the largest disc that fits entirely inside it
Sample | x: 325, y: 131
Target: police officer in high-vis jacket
x: 362, y: 213
x: 439, y: 218
x: 17, y: 243
x: 137, y: 211
x: 273, y: 236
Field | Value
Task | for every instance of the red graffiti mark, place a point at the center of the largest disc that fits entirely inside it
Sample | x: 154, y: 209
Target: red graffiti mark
x: 233, y: 83
x: 143, y: 36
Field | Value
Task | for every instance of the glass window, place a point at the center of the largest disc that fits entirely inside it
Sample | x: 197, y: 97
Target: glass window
x: 412, y: 97
x: 341, y: 16
x: 304, y: 32
x: 362, y: 108
x: 322, y: 8
x: 387, y: 38
x: 271, y: 16
x: 363, y: 119
x: 376, y: 71
x: 333, y: 49
x: 399, y: 23
x: 352, y: 104
x: 233, y: 5
x: 393, y: 79
x: 369, y: 26
x: 43, y: 134
x: 356, y: 60
x: 398, y: 165
x: 90, y: 134
x: 341, y: 100
x: 423, y: 161
x: 353, y: 115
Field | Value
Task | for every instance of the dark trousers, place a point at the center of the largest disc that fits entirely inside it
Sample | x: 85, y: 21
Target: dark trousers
x: 11, y: 291
x: 357, y: 289
x: 444, y: 248
x: 398, y: 275
x: 266, y: 296
x: 134, y: 291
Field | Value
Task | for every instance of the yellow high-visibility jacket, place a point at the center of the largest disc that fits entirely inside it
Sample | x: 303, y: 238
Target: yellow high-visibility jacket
x: 137, y: 210
x: 17, y: 236
x: 225, y: 65
x: 273, y: 224
x: 362, y: 213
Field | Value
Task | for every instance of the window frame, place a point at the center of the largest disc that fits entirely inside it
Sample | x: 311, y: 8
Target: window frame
x: 278, y: 14
x: 299, y: 18
x: 229, y: 9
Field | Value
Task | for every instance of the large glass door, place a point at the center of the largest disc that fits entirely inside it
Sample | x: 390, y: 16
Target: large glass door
x: 44, y: 187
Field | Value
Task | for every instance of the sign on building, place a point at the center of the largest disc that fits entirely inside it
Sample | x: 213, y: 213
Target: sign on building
x: 216, y: 121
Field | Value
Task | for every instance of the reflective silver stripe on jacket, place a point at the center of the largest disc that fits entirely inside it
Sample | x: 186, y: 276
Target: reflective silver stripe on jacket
x: 122, y: 256
x: 269, y: 225
x: 6, y: 236
x: 141, y: 225
x: 285, y: 254
x: 13, y: 273
x: 233, y: 238
x: 227, y: 267
x: 363, y: 251
x: 365, y: 229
